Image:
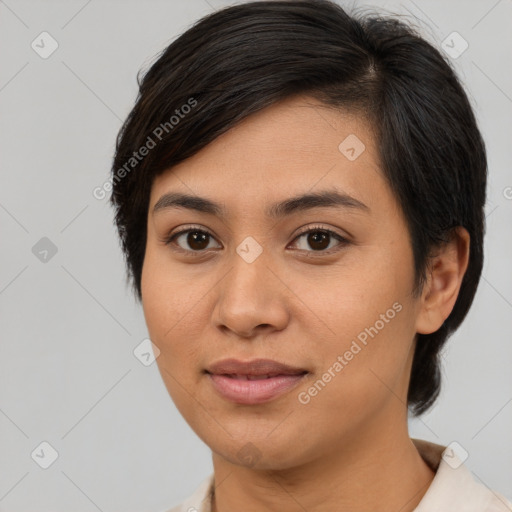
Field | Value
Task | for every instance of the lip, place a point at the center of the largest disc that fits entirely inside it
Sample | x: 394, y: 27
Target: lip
x: 253, y: 367
x: 229, y: 378
x: 252, y: 392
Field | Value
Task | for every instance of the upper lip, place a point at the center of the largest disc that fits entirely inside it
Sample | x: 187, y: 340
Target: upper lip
x: 253, y: 367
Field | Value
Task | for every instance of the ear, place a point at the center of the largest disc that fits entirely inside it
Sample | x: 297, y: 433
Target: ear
x: 443, y: 282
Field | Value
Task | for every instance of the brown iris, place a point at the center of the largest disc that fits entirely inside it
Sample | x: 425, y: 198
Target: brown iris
x: 317, y: 239
x: 197, y: 240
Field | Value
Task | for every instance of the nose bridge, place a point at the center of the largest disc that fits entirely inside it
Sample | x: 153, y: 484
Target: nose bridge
x: 249, y: 272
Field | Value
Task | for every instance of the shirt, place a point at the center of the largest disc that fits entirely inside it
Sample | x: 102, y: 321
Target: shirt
x: 453, y: 488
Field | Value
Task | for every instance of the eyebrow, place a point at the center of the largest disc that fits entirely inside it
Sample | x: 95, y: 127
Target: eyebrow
x: 322, y: 199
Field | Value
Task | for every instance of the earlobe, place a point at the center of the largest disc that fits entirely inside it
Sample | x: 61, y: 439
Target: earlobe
x: 443, y: 282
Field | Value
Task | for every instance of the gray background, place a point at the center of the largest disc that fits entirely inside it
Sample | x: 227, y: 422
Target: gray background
x: 68, y: 375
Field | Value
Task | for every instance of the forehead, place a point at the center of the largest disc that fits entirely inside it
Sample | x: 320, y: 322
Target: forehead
x: 290, y: 148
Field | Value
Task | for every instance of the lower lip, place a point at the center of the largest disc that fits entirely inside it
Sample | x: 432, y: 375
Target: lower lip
x: 254, y: 391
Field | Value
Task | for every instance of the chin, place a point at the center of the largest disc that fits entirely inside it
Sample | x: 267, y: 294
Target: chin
x: 259, y: 453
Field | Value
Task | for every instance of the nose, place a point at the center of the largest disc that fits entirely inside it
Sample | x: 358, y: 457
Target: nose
x: 252, y: 299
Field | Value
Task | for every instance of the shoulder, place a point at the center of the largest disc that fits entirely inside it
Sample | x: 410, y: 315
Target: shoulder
x: 200, y: 500
x: 454, y: 487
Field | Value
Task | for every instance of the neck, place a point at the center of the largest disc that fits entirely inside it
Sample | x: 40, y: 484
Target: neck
x: 378, y: 470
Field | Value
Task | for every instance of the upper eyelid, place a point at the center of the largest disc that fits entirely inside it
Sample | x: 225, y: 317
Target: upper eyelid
x: 301, y: 232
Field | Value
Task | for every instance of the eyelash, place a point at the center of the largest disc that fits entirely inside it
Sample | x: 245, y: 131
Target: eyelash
x: 343, y: 241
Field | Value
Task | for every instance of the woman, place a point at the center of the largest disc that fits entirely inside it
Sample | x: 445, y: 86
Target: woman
x: 299, y: 195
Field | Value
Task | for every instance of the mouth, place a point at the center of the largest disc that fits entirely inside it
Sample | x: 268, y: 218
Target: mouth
x: 253, y: 382
x: 256, y: 377
x: 253, y: 368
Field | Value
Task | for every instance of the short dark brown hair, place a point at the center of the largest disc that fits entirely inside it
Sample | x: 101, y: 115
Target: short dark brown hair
x: 243, y: 58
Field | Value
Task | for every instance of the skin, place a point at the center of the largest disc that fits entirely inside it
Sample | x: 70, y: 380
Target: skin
x: 349, y: 447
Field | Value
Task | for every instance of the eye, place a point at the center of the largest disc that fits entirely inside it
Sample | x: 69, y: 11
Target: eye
x: 320, y: 238
x: 196, y: 239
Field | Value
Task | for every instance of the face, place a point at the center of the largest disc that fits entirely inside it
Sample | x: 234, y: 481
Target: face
x: 324, y: 286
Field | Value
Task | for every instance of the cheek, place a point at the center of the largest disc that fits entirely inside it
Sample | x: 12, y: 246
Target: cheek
x: 168, y: 309
x: 368, y: 327
x: 175, y: 309
x: 362, y: 374
x: 165, y: 294
x: 165, y: 306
